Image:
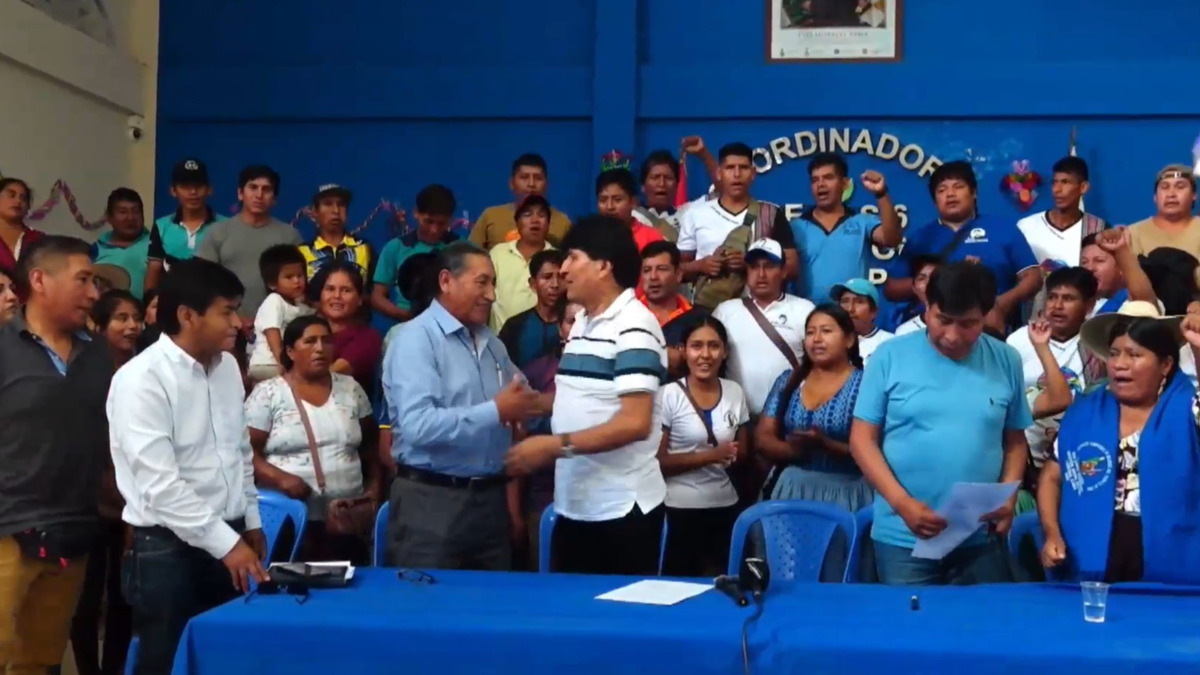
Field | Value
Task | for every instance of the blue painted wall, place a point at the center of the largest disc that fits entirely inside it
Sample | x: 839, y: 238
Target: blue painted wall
x: 387, y: 96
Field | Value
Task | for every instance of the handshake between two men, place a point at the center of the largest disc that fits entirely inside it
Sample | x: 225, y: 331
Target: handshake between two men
x: 518, y: 402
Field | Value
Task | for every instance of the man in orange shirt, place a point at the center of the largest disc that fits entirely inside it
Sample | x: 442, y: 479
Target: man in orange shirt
x: 616, y: 196
x: 659, y: 292
x: 498, y: 224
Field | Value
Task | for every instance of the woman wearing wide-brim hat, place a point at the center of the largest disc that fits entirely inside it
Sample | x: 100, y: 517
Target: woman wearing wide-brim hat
x: 1119, y: 497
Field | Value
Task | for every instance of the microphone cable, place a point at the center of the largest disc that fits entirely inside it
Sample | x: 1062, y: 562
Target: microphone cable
x: 759, y: 603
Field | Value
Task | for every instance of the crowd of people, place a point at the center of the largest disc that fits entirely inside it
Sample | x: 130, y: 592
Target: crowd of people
x: 646, y: 365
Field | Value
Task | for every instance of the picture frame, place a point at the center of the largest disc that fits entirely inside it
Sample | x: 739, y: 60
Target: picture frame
x: 848, y: 31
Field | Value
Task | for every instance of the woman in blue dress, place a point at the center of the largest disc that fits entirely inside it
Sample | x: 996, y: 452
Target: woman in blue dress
x: 805, y: 425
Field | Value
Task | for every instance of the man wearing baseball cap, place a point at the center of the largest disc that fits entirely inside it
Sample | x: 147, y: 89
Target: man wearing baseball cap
x: 763, y: 324
x: 175, y: 237
x: 1174, y: 224
x: 329, y: 206
x: 860, y: 299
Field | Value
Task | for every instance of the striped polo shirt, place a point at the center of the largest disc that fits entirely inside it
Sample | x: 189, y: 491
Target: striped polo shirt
x: 614, y: 354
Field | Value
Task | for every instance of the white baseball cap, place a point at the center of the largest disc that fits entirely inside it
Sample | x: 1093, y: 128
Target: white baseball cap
x: 766, y: 248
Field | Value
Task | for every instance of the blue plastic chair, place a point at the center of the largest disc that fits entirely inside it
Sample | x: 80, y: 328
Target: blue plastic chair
x: 797, y: 535
x: 546, y: 534
x: 860, y: 554
x: 131, y: 656
x: 276, y: 508
x: 1025, y: 525
x: 378, y: 555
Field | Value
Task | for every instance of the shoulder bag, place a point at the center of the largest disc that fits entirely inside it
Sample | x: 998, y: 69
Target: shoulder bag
x: 354, y: 516
x: 771, y: 333
x: 712, y: 437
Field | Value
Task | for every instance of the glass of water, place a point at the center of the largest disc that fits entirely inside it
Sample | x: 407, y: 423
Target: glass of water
x: 1095, y: 600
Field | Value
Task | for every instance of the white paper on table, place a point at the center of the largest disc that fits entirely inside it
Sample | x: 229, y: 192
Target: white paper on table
x: 655, y: 592
x: 967, y: 503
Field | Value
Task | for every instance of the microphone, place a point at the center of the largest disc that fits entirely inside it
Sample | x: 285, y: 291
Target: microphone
x: 754, y: 578
x: 731, y: 587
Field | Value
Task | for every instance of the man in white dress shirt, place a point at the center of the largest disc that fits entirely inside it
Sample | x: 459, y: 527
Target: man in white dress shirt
x: 183, y: 463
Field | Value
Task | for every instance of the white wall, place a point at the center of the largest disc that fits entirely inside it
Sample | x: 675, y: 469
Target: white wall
x: 66, y: 98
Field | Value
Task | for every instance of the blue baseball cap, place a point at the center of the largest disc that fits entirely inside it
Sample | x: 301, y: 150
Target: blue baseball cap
x: 858, y: 287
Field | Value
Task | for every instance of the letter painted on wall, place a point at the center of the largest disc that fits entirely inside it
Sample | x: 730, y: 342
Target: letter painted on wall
x: 848, y: 141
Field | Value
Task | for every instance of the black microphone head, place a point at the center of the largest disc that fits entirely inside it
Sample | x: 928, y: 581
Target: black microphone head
x: 755, y: 575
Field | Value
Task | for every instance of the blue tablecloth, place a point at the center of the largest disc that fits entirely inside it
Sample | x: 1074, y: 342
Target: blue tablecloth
x: 982, y: 630
x: 466, y: 622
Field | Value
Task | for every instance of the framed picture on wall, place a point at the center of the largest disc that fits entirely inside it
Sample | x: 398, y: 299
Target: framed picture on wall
x: 834, y: 30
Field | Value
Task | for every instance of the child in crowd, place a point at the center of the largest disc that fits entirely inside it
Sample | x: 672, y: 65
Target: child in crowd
x: 861, y: 301
x: 921, y: 269
x: 534, y: 332
x: 283, y: 270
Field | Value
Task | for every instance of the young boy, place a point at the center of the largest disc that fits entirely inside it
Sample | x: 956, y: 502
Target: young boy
x: 616, y: 196
x: 861, y: 301
x: 534, y: 332
x: 514, y: 291
x: 921, y: 268
x: 283, y: 271
x: 434, y: 209
x: 175, y: 236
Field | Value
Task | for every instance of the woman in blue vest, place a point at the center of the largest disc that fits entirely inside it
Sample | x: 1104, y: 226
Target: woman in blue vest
x: 1121, y: 499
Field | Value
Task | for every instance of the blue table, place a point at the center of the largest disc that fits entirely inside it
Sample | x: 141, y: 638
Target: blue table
x: 466, y: 622
x: 982, y: 630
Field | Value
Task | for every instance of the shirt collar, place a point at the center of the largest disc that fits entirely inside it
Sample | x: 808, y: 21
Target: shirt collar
x: 347, y: 242
x: 627, y: 296
x: 176, y: 354
x: 848, y: 212
x: 18, y: 323
x: 681, y: 303
x: 445, y: 320
x: 872, y: 334
x: 105, y: 240
x: 209, y: 216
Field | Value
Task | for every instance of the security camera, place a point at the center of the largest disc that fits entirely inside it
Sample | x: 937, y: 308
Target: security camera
x: 135, y: 126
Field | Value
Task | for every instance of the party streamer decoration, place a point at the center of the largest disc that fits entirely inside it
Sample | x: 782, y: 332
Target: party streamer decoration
x: 1021, y: 184
x: 60, y: 191
x: 396, y: 216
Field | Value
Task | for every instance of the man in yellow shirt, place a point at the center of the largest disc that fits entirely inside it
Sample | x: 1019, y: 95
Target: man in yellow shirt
x: 514, y: 294
x: 498, y: 224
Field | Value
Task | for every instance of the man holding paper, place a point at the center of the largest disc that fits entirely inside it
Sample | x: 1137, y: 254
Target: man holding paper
x: 939, y: 413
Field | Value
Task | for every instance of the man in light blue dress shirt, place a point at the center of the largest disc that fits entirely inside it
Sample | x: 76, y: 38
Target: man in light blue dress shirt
x: 453, y: 396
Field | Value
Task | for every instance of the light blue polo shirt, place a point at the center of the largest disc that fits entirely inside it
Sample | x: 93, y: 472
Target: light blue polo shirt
x: 941, y: 421
x: 996, y: 242
x: 131, y: 258
x: 829, y: 258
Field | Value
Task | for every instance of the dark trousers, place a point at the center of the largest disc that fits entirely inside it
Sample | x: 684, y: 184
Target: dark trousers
x: 698, y: 541
x: 630, y: 544
x: 101, y: 598
x: 451, y: 528
x: 167, y: 583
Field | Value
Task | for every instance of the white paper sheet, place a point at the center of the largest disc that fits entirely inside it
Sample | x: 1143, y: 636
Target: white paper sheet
x: 655, y: 592
x: 967, y: 503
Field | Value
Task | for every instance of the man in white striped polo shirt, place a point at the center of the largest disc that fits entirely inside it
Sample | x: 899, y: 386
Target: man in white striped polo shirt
x: 609, y: 489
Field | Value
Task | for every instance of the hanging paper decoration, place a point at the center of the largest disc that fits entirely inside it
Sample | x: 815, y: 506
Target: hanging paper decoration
x: 614, y: 159
x: 61, y: 192
x: 396, y: 218
x: 1021, y: 184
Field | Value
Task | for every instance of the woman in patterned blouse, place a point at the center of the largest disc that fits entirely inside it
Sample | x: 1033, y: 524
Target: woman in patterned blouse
x: 805, y: 425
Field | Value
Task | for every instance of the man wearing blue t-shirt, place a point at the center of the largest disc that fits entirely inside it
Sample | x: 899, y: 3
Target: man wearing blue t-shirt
x: 935, y: 408
x: 961, y: 234
x: 833, y: 239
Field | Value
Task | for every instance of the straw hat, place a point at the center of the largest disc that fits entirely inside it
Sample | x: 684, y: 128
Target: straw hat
x: 1094, y: 333
x: 115, y: 276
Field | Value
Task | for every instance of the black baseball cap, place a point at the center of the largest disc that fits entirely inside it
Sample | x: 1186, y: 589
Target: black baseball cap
x: 332, y: 190
x: 189, y: 171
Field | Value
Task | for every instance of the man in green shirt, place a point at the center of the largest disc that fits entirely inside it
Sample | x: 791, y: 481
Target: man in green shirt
x: 127, y: 244
x: 434, y: 209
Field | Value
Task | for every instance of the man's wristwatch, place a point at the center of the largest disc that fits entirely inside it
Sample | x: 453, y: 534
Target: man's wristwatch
x: 568, y: 450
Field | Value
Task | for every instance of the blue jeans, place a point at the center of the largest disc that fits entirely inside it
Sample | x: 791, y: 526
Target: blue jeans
x: 167, y: 582
x: 986, y: 563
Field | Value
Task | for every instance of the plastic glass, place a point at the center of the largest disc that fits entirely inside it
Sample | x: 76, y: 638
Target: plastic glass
x: 1095, y: 600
